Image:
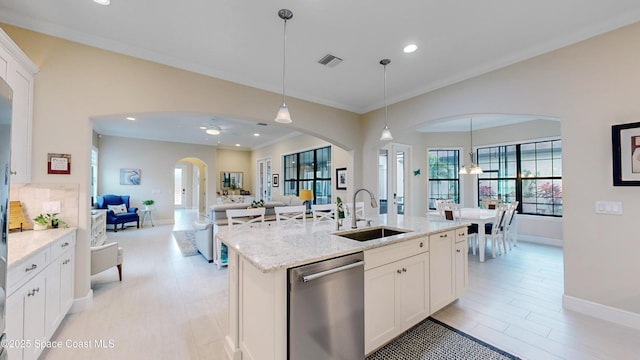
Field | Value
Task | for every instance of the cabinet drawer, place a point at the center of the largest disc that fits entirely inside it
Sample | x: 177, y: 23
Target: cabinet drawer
x: 27, y: 269
x: 62, y: 245
x: 461, y: 234
x: 390, y: 253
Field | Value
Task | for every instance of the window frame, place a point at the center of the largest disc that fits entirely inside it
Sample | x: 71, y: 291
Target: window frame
x: 456, y: 179
x: 518, y: 178
x: 315, y: 179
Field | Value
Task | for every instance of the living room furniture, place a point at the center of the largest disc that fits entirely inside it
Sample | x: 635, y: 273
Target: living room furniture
x: 105, y: 256
x: 218, y: 213
x: 204, y: 239
x: 146, y: 214
x: 129, y: 215
x: 98, y: 227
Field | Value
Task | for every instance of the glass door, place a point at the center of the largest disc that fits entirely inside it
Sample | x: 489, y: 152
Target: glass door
x: 179, y: 190
x: 392, y: 178
x: 264, y: 180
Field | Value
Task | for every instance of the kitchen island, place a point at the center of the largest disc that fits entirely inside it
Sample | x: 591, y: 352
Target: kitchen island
x: 258, y: 285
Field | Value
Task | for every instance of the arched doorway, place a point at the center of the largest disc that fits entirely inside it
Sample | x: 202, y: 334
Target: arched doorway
x: 190, y: 184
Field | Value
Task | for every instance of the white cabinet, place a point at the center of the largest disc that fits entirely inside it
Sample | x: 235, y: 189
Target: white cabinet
x: 17, y: 70
x: 40, y: 293
x: 462, y: 262
x: 442, y: 249
x: 396, y: 294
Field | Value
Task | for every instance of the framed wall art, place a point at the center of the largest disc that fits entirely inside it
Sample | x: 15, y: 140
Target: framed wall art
x: 625, y: 140
x: 129, y: 176
x: 59, y: 164
x: 341, y: 179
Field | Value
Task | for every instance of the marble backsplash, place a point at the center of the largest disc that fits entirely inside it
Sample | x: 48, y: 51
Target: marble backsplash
x: 33, y: 196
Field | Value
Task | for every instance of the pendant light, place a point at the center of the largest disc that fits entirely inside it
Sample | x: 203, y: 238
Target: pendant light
x: 473, y: 168
x: 283, y: 115
x: 386, y: 133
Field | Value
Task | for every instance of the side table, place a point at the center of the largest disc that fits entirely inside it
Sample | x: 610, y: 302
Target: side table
x: 146, y: 213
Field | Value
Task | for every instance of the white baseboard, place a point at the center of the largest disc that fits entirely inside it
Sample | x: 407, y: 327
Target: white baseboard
x: 83, y: 303
x: 540, y: 240
x: 604, y: 312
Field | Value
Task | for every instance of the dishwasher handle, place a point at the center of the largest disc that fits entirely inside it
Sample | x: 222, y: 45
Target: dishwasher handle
x: 307, y: 278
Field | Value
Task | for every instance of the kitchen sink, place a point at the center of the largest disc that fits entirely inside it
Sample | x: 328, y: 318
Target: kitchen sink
x: 371, y: 233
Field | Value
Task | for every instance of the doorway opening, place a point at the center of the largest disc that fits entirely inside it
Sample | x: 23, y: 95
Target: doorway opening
x: 190, y: 184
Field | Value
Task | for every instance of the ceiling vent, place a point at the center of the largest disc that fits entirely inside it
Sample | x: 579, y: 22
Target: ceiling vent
x: 330, y: 60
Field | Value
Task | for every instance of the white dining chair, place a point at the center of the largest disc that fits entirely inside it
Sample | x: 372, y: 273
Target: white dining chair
x: 323, y: 212
x: 510, y: 230
x: 452, y: 212
x: 491, y: 204
x: 495, y: 230
x: 242, y: 218
x: 357, y: 210
x: 440, y: 203
x: 291, y: 215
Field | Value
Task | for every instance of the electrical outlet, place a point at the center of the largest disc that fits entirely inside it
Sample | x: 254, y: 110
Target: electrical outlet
x: 50, y: 207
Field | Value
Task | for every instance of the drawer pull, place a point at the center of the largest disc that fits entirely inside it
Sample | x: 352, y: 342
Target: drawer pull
x: 443, y: 235
x: 404, y: 269
x: 65, y: 244
x: 66, y: 262
x: 399, y: 271
x: 421, y: 244
x: 457, y: 250
x: 13, y: 172
x: 462, y: 234
x: 30, y: 268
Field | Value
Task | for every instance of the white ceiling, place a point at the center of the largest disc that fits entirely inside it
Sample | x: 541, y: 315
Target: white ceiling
x: 241, y: 41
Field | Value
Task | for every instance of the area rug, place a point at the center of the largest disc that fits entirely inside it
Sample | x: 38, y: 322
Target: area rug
x: 186, y: 240
x: 432, y: 339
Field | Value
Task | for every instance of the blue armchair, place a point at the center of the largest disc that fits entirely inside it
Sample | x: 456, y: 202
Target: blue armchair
x: 131, y: 214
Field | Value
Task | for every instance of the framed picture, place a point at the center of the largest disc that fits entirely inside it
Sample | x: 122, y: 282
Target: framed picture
x: 341, y: 179
x: 625, y: 140
x: 275, y: 181
x: 59, y: 164
x: 129, y: 176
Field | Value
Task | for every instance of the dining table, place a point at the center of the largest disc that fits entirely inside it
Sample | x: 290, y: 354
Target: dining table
x: 478, y: 216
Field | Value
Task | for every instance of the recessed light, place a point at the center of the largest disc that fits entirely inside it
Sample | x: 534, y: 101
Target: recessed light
x: 102, y: 2
x: 410, y: 48
x: 237, y: 144
x: 256, y: 134
x: 213, y: 132
x: 130, y: 118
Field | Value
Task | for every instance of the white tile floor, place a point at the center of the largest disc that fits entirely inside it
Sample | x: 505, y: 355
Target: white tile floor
x: 171, y: 307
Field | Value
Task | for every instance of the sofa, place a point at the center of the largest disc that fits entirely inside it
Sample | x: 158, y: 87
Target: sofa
x: 118, y: 210
x: 218, y: 213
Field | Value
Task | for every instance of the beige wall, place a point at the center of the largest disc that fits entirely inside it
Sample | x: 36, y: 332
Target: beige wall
x: 157, y: 161
x: 589, y: 87
x: 77, y: 82
x: 340, y: 159
x: 235, y: 161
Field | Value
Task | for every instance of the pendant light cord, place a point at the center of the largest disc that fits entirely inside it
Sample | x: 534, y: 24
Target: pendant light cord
x: 386, y: 118
x: 284, y: 60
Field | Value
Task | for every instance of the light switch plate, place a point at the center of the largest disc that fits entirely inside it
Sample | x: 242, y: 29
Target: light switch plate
x: 609, y: 207
x: 50, y: 207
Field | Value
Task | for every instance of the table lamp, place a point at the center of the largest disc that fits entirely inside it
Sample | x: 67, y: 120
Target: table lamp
x: 306, y: 195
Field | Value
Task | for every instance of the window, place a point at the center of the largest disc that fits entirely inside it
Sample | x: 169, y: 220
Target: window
x: 444, y: 182
x: 530, y: 173
x: 309, y: 170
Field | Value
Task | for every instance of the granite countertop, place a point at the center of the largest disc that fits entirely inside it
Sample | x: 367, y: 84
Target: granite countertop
x: 273, y: 248
x: 21, y: 245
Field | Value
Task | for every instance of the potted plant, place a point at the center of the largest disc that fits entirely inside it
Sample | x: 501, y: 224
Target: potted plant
x: 41, y: 222
x: 147, y: 204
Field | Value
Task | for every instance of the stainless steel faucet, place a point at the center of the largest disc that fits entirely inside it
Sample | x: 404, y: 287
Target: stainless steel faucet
x: 374, y: 204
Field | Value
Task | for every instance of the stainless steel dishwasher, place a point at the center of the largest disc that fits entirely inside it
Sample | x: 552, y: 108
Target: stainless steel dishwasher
x: 326, y: 309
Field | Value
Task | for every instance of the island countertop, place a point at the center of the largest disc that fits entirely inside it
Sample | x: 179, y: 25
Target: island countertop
x: 270, y: 247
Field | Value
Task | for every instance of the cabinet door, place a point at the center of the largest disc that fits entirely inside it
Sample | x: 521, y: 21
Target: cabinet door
x: 53, y: 297
x: 462, y: 268
x: 414, y: 290
x: 66, y: 282
x: 381, y: 317
x: 33, y: 296
x: 22, y: 84
x: 15, y: 323
x: 441, y: 274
